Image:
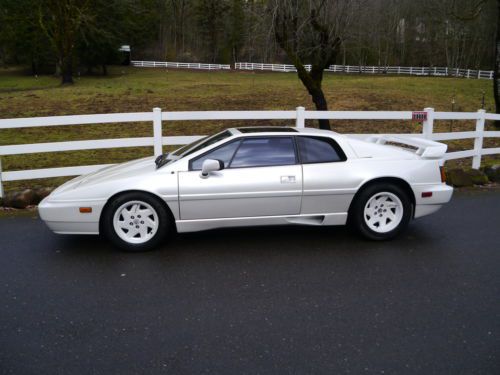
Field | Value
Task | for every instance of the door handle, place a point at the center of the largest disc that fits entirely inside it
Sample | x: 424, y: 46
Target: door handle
x: 288, y: 179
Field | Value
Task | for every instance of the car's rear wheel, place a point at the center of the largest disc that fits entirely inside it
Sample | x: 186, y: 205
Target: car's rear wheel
x: 381, y: 212
x: 136, y: 222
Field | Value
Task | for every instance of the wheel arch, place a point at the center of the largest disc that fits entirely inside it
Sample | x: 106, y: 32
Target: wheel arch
x: 400, y: 182
x: 153, y: 195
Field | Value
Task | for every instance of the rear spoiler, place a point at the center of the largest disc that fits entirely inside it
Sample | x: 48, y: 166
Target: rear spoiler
x: 426, y: 148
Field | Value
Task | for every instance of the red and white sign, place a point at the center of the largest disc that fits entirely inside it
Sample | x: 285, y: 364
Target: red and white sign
x: 419, y: 116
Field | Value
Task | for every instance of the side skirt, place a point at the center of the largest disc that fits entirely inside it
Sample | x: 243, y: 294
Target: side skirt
x: 205, y: 224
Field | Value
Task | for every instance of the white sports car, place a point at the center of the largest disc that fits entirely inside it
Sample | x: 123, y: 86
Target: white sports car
x: 256, y: 176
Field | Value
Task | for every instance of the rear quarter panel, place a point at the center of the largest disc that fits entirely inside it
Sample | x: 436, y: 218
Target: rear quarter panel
x: 330, y: 187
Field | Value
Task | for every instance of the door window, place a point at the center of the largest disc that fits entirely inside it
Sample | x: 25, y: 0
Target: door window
x: 260, y: 152
x: 223, y: 153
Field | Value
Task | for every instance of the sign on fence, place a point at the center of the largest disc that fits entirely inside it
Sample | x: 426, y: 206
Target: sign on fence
x: 419, y: 116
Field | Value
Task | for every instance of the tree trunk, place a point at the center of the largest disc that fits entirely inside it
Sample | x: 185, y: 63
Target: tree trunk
x: 312, y: 82
x: 104, y: 70
x: 321, y: 105
x: 34, y: 67
x: 496, y: 77
x: 67, y: 71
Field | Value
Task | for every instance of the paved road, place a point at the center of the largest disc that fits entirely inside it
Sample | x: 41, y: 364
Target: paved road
x: 257, y: 301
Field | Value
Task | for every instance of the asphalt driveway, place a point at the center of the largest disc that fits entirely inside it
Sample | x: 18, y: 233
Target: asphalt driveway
x: 295, y: 300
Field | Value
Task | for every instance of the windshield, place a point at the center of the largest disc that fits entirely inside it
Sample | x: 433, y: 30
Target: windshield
x: 185, y: 148
x: 201, y: 143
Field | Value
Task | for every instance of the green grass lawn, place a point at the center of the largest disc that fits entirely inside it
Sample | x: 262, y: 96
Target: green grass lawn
x: 136, y: 90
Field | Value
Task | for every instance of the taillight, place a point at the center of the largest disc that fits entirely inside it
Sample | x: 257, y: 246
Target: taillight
x: 443, y: 174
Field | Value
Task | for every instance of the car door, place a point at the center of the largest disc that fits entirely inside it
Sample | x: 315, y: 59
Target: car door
x: 262, y: 177
x: 329, y: 181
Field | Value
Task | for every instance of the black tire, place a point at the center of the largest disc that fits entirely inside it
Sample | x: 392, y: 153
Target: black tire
x: 163, y: 230
x: 357, y: 211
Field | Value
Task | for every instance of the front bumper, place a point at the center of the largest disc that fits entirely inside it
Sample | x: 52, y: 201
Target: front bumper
x: 64, y: 217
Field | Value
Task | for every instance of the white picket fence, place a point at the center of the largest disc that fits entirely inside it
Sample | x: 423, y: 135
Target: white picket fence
x: 180, y: 65
x: 405, y: 70
x: 157, y: 141
x: 287, y: 68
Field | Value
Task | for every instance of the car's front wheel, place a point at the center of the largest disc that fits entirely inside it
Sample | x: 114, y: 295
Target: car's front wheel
x: 135, y: 222
x: 381, y: 212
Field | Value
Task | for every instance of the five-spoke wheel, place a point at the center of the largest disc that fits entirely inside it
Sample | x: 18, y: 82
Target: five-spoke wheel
x: 380, y: 211
x: 383, y: 212
x: 135, y: 221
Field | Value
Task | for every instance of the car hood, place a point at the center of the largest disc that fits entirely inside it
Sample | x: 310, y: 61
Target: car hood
x: 134, y: 168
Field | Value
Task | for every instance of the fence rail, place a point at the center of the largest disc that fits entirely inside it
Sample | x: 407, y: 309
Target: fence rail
x: 157, y: 141
x: 287, y: 68
x: 405, y: 70
x: 180, y: 65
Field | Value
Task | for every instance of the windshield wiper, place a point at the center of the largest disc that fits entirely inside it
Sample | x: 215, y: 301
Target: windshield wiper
x: 161, y: 160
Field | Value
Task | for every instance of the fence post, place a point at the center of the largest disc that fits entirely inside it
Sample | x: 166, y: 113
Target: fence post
x: 478, y: 141
x: 1, y: 183
x: 300, y: 119
x: 428, y: 125
x: 157, y: 132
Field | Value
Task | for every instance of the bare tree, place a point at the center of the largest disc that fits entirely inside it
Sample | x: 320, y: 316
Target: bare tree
x: 311, y: 31
x: 61, y: 21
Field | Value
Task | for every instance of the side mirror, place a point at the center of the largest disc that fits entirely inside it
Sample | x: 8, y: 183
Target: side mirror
x: 210, y: 165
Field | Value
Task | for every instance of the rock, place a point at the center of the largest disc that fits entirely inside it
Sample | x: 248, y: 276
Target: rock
x: 466, y: 177
x: 41, y: 193
x: 458, y: 178
x: 19, y: 199
x: 493, y: 172
x: 7, y: 199
x: 478, y: 177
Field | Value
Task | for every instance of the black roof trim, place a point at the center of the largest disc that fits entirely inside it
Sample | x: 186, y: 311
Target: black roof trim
x: 267, y: 129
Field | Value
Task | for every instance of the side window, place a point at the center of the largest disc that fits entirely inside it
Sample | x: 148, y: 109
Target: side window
x: 260, y: 152
x: 319, y: 150
x: 223, y: 153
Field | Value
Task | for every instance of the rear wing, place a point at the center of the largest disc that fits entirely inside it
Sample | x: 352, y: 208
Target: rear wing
x: 426, y: 148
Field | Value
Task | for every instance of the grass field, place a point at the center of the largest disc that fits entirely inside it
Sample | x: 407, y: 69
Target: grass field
x: 132, y: 89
